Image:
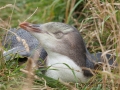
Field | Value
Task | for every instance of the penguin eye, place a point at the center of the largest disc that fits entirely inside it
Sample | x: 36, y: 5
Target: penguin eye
x: 58, y: 35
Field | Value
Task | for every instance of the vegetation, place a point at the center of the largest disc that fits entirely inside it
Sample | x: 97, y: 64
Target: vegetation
x: 98, y: 22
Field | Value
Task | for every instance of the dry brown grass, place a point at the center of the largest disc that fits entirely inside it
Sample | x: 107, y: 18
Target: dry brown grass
x: 100, y: 28
x: 104, y: 21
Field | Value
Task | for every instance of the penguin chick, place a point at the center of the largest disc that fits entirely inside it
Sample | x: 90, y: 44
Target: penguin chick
x: 65, y: 48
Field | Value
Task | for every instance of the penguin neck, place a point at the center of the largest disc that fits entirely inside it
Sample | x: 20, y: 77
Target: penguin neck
x: 54, y: 57
x: 62, y: 67
x: 57, y: 58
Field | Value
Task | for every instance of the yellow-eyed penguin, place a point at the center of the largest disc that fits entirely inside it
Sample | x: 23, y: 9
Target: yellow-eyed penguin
x: 67, y: 54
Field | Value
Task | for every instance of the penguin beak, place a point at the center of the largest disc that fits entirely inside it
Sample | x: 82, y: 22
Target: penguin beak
x: 31, y: 27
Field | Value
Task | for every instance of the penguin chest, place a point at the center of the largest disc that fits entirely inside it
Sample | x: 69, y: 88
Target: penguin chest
x: 64, y: 68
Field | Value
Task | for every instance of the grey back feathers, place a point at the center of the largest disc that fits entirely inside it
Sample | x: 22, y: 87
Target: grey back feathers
x: 14, y: 46
x: 13, y: 42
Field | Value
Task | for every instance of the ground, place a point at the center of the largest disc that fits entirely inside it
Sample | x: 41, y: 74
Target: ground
x: 98, y: 22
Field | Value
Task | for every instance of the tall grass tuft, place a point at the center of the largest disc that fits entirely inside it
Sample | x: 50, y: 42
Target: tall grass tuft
x: 102, y: 28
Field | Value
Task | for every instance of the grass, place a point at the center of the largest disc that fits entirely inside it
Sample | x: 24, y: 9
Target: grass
x: 97, y: 20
